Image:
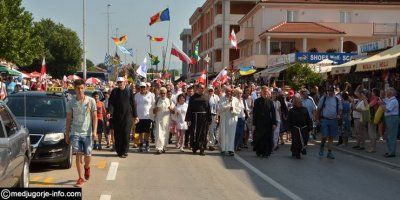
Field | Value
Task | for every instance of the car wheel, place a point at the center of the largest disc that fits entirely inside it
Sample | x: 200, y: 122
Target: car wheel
x: 67, y: 163
x: 24, y: 178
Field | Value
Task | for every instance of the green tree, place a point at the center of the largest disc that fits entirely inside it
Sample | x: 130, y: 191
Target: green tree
x: 90, y: 66
x: 299, y: 75
x: 18, y: 42
x: 62, y: 48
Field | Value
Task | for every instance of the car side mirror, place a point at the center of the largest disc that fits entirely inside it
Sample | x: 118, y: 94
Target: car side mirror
x: 4, y: 143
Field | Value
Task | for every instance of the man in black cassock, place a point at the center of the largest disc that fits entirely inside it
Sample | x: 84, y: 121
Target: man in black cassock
x: 264, y: 120
x: 299, y: 124
x: 198, y: 116
x: 121, y: 104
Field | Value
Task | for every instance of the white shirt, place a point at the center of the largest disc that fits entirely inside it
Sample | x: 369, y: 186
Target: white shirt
x: 241, y: 105
x: 214, y: 101
x: 180, y: 114
x: 144, y: 104
x: 360, y: 105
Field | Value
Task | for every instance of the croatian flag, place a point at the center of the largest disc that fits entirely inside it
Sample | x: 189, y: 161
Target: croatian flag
x: 180, y: 54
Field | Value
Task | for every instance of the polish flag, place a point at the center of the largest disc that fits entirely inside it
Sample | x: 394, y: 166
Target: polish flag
x: 233, y: 39
x: 42, y: 78
x: 221, y: 78
x: 180, y: 54
x: 202, y: 78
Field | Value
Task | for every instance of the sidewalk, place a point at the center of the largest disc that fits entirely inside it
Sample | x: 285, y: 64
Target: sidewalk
x: 381, y: 149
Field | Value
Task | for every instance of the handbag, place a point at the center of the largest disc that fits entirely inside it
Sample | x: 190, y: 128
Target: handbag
x: 378, y: 115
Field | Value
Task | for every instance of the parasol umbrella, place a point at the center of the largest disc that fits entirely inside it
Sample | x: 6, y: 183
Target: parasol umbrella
x: 34, y: 74
x: 92, y: 81
x: 73, y: 77
x: 9, y: 71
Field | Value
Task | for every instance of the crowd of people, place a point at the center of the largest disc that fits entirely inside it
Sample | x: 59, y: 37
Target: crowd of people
x: 230, y: 118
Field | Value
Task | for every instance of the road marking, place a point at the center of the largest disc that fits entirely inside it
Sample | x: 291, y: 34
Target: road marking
x: 35, y: 178
x: 48, y: 180
x: 102, y: 164
x: 268, y: 179
x: 105, y: 197
x: 112, y: 172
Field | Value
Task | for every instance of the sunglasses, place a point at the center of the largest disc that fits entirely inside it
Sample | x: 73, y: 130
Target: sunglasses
x: 162, y: 93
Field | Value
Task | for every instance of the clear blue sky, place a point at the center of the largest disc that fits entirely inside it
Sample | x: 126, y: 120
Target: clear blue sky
x: 131, y: 17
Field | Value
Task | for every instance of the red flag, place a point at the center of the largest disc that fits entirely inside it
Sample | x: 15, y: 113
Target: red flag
x: 43, y: 69
x: 233, y: 39
x: 166, y: 75
x: 42, y: 77
x: 221, y: 78
x: 202, y: 78
x: 180, y: 54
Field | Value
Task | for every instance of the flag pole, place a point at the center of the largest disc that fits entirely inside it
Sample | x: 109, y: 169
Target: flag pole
x: 166, y: 49
x: 151, y: 63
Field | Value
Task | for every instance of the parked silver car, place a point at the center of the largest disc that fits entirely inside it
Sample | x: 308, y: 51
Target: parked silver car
x: 15, y: 153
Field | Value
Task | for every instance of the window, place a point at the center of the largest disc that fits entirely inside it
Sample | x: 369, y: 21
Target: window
x: 8, y: 122
x: 291, y: 16
x: 345, y: 17
x: 258, y: 46
x: 275, y: 47
x: 252, y: 22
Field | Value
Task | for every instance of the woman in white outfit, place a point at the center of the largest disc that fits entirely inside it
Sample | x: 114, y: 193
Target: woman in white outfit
x: 181, y: 125
x: 229, y: 112
x: 162, y: 110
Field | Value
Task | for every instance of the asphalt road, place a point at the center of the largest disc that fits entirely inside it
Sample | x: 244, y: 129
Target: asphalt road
x: 175, y: 175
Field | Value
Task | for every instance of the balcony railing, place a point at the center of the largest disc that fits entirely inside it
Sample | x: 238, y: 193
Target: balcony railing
x: 245, y: 34
x: 386, y: 29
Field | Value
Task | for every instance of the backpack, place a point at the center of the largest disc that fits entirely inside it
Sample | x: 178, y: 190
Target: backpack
x: 323, y: 106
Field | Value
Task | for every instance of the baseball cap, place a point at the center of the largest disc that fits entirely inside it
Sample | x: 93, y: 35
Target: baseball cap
x: 120, y: 79
x: 142, y: 84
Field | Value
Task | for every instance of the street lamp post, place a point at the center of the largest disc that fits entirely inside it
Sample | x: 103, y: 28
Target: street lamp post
x: 84, y: 40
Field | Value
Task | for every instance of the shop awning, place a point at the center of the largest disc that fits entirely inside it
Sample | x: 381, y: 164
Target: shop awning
x: 272, y: 71
x: 383, y: 60
x: 321, y: 69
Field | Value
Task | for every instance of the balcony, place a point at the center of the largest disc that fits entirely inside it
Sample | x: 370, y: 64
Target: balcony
x: 218, y: 43
x: 365, y: 29
x: 259, y: 61
x: 351, y: 29
x: 234, y: 18
x: 386, y: 29
x: 245, y: 35
x: 217, y: 67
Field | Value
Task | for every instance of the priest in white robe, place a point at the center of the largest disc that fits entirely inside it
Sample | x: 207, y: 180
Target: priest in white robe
x: 162, y: 109
x: 229, y: 112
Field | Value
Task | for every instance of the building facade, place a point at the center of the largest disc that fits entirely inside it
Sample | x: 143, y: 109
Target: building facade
x: 278, y: 27
x: 211, y: 25
x: 186, y: 38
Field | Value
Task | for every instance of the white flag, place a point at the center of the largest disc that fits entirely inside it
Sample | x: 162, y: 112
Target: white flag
x: 142, y: 69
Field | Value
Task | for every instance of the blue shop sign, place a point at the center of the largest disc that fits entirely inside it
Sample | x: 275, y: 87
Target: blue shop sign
x: 309, y: 57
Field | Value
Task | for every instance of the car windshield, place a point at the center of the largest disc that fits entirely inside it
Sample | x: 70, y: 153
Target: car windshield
x: 37, y: 106
x: 88, y: 93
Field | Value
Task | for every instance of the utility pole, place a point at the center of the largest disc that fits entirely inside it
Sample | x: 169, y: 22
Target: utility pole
x: 108, y: 27
x: 84, y: 40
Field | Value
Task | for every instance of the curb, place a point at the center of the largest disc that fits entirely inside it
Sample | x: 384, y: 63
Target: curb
x: 389, y: 164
